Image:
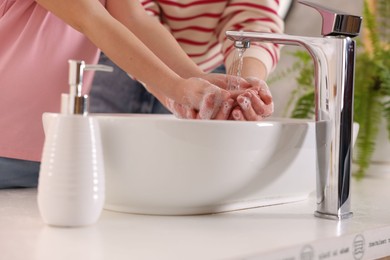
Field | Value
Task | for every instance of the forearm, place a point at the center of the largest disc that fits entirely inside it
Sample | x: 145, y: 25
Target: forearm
x: 118, y: 43
x: 157, y: 38
x: 254, y: 15
x: 133, y: 57
x: 253, y: 67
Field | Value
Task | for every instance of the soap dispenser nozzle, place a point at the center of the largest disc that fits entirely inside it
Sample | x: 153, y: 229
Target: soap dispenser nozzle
x: 78, y: 103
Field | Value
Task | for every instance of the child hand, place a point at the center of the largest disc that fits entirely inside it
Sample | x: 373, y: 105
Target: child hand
x: 255, y: 103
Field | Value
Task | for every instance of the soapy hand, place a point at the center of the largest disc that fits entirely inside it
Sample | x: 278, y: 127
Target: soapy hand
x: 252, y: 97
x: 201, y: 100
x: 253, y: 103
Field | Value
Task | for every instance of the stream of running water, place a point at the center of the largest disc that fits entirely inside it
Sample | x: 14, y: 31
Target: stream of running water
x: 235, y: 69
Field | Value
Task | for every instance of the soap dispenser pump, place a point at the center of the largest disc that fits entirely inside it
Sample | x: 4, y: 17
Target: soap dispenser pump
x: 75, y: 102
x: 71, y: 186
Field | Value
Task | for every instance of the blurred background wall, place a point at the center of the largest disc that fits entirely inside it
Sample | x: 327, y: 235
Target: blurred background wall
x: 305, y: 21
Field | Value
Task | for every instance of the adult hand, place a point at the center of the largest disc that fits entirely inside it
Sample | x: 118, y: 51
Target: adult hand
x: 252, y: 101
x: 201, y: 100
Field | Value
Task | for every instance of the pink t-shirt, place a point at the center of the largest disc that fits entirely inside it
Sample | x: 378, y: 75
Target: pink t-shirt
x: 35, y: 47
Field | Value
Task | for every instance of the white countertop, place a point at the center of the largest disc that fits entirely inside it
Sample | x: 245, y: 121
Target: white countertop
x: 288, y: 231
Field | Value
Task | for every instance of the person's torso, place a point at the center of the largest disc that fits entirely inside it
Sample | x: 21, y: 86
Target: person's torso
x: 35, y: 47
x: 194, y: 24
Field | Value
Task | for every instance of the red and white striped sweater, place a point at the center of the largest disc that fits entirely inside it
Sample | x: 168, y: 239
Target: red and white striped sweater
x: 199, y: 27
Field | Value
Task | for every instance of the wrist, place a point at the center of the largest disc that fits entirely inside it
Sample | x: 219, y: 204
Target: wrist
x: 254, y: 68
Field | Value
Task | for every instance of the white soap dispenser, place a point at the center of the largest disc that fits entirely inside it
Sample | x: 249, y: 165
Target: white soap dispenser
x: 71, y: 179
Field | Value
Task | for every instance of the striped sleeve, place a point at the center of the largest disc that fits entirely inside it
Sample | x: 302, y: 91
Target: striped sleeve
x: 151, y: 7
x: 251, y: 15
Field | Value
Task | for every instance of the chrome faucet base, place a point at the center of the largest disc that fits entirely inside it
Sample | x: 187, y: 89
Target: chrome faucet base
x: 332, y: 216
x: 334, y: 63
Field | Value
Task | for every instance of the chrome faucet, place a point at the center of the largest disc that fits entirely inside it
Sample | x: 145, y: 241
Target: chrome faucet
x: 334, y: 62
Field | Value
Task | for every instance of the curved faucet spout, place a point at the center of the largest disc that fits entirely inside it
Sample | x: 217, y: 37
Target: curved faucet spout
x: 334, y: 59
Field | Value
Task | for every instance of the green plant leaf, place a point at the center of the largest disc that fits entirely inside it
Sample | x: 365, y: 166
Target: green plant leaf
x: 368, y: 109
x: 384, y: 75
x: 305, y: 81
x: 383, y: 9
x: 370, y: 23
x: 372, y: 84
x: 304, y: 107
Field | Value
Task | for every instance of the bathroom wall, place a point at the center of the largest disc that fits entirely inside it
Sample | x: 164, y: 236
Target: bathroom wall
x: 305, y: 21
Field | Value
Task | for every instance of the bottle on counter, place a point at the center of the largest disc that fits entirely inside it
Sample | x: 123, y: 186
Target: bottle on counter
x: 71, y: 186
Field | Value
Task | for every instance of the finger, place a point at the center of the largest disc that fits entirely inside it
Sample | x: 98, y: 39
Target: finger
x: 260, y: 107
x: 269, y: 110
x: 184, y: 112
x: 262, y: 87
x: 236, y: 92
x: 212, y: 102
x: 175, y: 108
x: 245, y: 103
x: 192, y: 114
x: 237, y: 115
x: 206, y: 108
x: 225, y: 109
x: 257, y: 103
x: 180, y: 110
x: 236, y: 83
x: 265, y: 94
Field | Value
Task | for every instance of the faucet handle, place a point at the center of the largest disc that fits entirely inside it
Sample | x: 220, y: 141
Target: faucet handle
x: 336, y: 23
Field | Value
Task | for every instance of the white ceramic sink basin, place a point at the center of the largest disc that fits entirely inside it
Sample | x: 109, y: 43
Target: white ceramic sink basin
x: 157, y: 164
